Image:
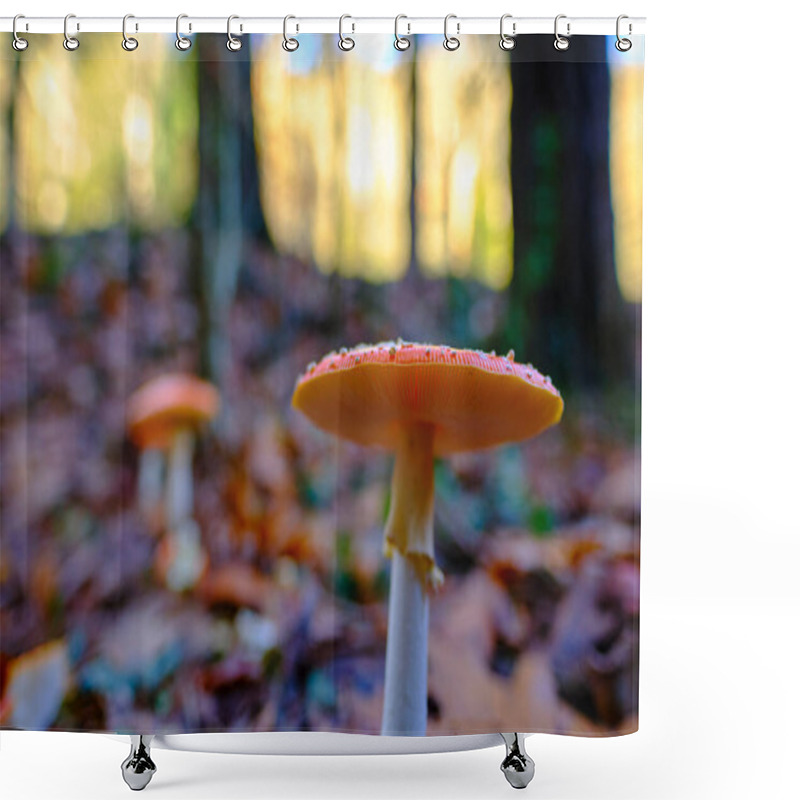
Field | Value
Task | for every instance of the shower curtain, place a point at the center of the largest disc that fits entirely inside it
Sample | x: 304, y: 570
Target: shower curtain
x: 319, y: 399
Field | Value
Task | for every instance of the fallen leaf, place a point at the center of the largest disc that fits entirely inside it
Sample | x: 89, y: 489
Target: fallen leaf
x: 618, y: 493
x: 37, y: 683
x: 237, y: 584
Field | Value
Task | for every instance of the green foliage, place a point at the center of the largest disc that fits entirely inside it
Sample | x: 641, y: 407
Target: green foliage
x: 541, y: 520
x: 271, y: 663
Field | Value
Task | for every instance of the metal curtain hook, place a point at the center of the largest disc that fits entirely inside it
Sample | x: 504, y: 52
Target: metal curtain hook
x: 233, y: 44
x: 70, y: 42
x: 18, y: 43
x: 507, y: 42
x: 128, y: 42
x: 401, y: 42
x: 181, y: 42
x: 289, y: 44
x: 561, y: 42
x: 451, y: 42
x: 623, y: 45
x: 346, y: 42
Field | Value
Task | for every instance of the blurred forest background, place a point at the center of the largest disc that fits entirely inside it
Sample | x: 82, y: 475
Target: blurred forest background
x: 237, y: 216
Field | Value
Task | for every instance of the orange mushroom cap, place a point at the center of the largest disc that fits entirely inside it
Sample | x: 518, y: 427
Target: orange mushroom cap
x: 472, y: 399
x: 158, y: 408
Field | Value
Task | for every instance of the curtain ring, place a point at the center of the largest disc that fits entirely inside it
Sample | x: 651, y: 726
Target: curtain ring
x: 17, y: 42
x: 181, y: 42
x: 623, y: 45
x: 345, y: 42
x: 289, y: 44
x: 233, y: 44
x: 401, y: 42
x: 70, y: 42
x: 507, y: 42
x: 561, y: 42
x: 128, y: 42
x: 451, y: 42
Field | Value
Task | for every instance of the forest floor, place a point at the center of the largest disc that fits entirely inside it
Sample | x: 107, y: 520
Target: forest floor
x: 537, y: 621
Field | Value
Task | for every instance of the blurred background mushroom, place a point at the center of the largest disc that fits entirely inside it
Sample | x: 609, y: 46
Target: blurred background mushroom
x: 164, y: 415
x: 420, y: 401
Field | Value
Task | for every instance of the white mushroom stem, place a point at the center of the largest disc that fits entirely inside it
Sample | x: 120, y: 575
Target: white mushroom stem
x: 179, y: 497
x: 409, y: 528
x: 148, y: 487
x: 405, y: 695
x: 189, y: 559
x: 409, y: 539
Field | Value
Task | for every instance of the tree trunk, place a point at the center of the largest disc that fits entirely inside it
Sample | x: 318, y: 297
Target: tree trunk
x: 11, y: 173
x: 566, y: 312
x: 228, y: 206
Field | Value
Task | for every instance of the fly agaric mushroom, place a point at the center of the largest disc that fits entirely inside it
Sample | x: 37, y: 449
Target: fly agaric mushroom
x: 163, y: 414
x: 420, y: 401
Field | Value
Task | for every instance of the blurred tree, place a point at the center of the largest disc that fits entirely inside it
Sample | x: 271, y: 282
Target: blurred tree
x: 228, y: 204
x: 413, y: 234
x: 463, y: 224
x: 9, y: 82
x: 566, y: 311
x: 333, y: 137
x: 627, y: 89
x: 101, y: 140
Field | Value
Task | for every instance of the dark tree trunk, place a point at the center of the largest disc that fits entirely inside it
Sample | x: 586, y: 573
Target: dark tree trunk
x: 11, y: 176
x: 565, y: 308
x: 228, y: 205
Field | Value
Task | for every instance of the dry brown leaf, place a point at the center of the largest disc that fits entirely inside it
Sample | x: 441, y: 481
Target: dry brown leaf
x: 471, y: 697
x: 594, y: 534
x: 512, y: 553
x: 465, y: 613
x: 5, y: 710
x: 618, y: 493
x: 36, y: 685
x: 268, y: 464
x: 44, y: 578
x: 237, y: 584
